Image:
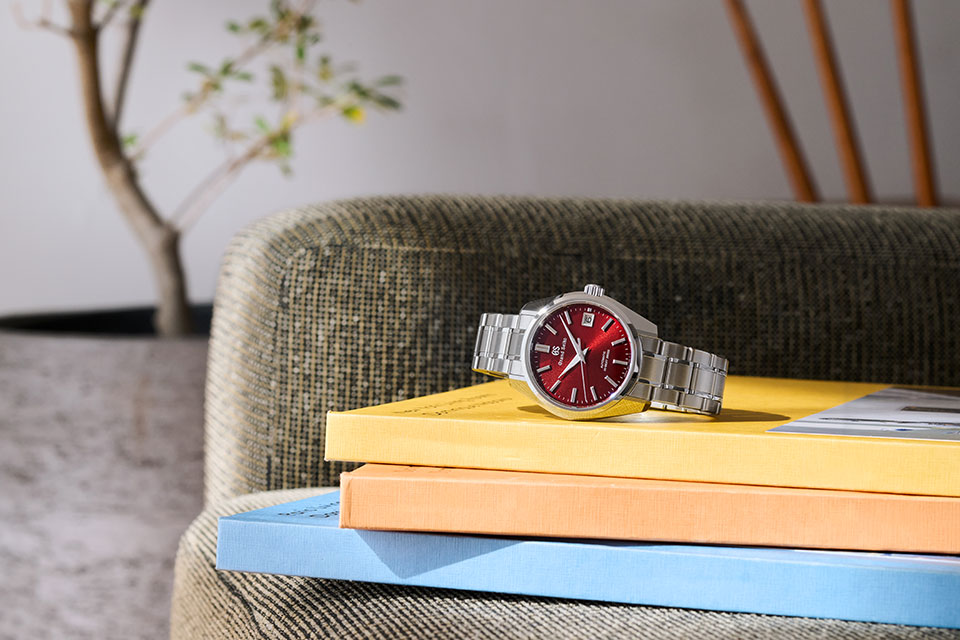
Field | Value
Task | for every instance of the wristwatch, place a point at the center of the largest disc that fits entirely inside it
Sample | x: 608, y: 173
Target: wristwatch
x: 583, y: 355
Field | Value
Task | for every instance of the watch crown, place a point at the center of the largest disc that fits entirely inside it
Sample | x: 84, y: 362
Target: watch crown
x: 593, y: 290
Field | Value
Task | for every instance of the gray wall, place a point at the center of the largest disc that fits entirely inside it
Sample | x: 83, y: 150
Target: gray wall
x: 633, y: 98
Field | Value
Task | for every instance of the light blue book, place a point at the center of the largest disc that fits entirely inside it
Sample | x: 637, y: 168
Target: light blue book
x: 302, y: 539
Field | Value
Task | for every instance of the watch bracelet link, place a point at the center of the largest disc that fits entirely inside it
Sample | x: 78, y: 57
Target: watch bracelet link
x: 671, y: 375
x: 500, y: 344
x: 679, y: 378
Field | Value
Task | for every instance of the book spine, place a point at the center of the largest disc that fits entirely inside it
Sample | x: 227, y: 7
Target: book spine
x: 717, y: 578
x: 877, y: 465
x: 529, y: 504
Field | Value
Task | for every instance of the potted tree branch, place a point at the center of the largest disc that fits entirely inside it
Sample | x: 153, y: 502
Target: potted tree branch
x: 102, y: 466
x: 305, y: 86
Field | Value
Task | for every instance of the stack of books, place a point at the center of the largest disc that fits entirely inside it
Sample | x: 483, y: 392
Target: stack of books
x: 804, y: 498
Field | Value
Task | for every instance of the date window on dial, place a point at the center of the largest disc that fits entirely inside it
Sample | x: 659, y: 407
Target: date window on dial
x: 587, y: 319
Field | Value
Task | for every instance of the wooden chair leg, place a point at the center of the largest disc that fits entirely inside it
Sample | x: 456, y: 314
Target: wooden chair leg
x: 912, y: 87
x: 851, y: 160
x: 794, y: 163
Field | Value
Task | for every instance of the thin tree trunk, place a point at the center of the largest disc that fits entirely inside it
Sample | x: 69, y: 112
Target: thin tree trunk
x: 158, y: 238
x: 173, y: 313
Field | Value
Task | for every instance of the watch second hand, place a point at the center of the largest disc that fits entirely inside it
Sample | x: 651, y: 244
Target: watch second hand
x: 583, y: 371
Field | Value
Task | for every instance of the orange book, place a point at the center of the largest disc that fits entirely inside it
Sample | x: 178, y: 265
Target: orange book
x: 477, y: 501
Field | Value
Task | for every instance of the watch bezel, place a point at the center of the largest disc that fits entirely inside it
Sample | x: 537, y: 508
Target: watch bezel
x: 610, y: 306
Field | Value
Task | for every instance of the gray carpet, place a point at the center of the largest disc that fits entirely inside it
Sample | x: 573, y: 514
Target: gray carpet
x: 101, y: 471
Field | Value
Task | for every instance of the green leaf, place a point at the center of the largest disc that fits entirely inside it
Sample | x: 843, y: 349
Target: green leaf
x: 129, y: 140
x: 281, y: 146
x: 227, y: 67
x: 220, y: 128
x: 278, y: 80
x: 234, y: 27
x: 304, y: 22
x: 354, y: 114
x: 279, y: 9
x: 262, y: 124
x: 358, y: 90
x: 325, y: 69
x: 258, y: 25
x: 198, y: 67
x: 389, y: 81
x: 244, y: 76
x: 385, y: 101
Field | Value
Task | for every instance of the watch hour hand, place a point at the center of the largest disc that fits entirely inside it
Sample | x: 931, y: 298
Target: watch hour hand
x: 570, y: 365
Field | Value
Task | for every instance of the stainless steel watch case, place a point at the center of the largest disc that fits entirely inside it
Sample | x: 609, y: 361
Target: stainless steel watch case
x: 619, y: 403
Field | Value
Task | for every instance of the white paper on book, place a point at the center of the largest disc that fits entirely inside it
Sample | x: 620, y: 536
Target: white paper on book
x: 894, y: 412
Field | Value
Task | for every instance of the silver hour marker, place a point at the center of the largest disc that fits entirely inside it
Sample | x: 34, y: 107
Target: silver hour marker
x: 545, y: 367
x: 620, y: 362
x: 573, y: 395
x: 593, y: 392
x: 618, y: 341
x: 554, y: 387
x: 606, y: 325
x: 551, y: 329
x: 610, y: 380
x: 542, y: 348
x: 566, y: 315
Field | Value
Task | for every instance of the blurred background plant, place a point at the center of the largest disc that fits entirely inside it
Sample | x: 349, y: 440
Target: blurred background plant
x: 279, y: 62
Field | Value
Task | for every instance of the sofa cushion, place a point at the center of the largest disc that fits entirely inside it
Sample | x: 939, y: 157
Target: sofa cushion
x: 371, y: 300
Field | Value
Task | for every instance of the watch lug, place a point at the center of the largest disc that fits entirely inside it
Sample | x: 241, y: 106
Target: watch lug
x: 623, y: 406
x: 641, y: 324
x: 535, y: 306
x: 524, y: 388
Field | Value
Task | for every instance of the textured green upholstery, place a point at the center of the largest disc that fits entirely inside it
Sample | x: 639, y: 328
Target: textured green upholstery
x: 371, y: 300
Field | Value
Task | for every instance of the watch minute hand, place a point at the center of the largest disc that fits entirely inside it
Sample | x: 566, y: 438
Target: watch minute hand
x: 576, y: 345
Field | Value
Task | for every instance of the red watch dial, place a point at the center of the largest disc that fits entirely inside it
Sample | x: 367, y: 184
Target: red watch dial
x: 588, y: 378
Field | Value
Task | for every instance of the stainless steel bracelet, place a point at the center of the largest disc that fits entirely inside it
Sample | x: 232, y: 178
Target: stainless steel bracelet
x: 679, y: 378
x: 499, y: 345
x: 671, y: 376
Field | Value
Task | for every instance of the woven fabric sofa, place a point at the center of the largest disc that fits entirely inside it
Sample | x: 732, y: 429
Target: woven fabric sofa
x: 365, y: 301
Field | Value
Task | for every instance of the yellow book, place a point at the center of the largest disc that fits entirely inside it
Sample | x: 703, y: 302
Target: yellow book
x: 491, y: 426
